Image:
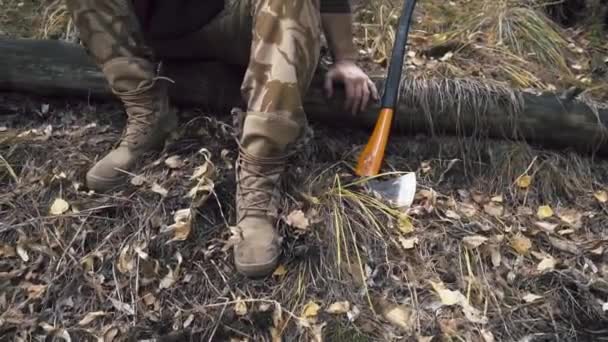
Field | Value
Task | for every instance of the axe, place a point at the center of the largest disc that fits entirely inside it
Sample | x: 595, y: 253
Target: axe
x: 372, y: 155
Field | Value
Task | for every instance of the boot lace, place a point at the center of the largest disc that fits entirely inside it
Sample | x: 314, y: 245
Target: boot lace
x: 256, y: 195
x: 139, y: 105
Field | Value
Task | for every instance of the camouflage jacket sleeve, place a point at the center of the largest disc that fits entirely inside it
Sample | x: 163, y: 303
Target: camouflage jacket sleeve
x: 335, y: 6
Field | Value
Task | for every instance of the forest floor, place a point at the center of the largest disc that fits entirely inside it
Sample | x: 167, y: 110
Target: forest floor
x: 504, y: 241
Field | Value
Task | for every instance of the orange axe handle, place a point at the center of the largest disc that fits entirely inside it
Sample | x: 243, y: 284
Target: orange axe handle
x: 371, y: 158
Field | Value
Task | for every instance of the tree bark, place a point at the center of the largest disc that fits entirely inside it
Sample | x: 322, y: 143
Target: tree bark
x: 436, y: 106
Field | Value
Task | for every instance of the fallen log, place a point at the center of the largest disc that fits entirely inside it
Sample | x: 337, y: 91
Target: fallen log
x: 462, y: 107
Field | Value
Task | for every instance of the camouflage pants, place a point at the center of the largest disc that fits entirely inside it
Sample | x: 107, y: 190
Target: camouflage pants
x: 276, y: 40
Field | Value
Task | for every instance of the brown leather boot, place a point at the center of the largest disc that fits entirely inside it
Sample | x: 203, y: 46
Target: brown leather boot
x: 144, y: 95
x: 261, y: 162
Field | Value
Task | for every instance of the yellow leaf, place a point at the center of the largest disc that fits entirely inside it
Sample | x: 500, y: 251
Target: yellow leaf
x: 544, y: 211
x: 521, y: 244
x: 280, y: 271
x: 311, y: 310
x: 601, y: 196
x: 524, y: 181
x: 59, y: 207
x: 240, y: 308
x: 339, y: 308
x: 90, y: 317
x: 405, y: 224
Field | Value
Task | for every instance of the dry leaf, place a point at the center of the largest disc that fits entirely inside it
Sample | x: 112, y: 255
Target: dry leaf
x: 297, y: 219
x: 547, y: 264
x: 280, y: 271
x: 478, y: 197
x: 168, y: 280
x: 174, y: 162
x: 7, y: 251
x: 353, y: 314
x: 452, y: 214
x: 497, y: 199
x: 546, y: 226
x: 495, y: 255
x: 399, y: 315
x: 521, y: 244
x: 468, y: 210
x: 311, y: 310
x: 59, y: 207
x: 605, y: 307
x: 571, y: 216
x: 493, y: 209
x: 159, y: 189
x: 339, y: 308
x: 123, y: 307
x: 182, y: 226
x: 138, y: 180
x: 148, y: 299
x: 524, y: 181
x: 405, y: 224
x: 90, y: 317
x: 530, y: 297
x: 408, y: 243
x: 126, y: 263
x: 474, y: 241
x: 448, y: 297
x: 487, y: 335
x: 601, y: 196
x: 34, y: 291
x: 188, y: 321
x: 240, y: 307
x: 110, y: 335
x: 22, y: 252
x: 544, y: 211
x: 524, y: 211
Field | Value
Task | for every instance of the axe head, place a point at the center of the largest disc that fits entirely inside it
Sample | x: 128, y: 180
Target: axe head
x: 398, y: 192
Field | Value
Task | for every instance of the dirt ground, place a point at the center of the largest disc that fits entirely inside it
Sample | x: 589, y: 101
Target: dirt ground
x: 504, y: 241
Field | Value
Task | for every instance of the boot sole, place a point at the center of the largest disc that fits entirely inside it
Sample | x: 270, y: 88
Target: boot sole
x: 101, y: 184
x: 257, y: 270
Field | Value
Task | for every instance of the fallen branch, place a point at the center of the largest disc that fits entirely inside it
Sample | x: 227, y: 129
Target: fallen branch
x: 435, y: 106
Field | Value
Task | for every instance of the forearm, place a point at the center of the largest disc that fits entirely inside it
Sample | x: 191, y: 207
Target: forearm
x: 339, y: 33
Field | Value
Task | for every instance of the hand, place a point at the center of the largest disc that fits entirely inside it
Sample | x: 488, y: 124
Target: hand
x: 357, y: 84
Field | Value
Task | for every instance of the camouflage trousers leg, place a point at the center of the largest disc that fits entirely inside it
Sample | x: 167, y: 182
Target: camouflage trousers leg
x: 111, y: 33
x: 109, y: 29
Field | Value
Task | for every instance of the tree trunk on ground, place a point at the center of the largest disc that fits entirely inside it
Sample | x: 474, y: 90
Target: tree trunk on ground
x: 436, y: 106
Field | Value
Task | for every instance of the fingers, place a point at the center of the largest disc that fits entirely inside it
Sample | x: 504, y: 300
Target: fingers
x: 329, y: 84
x: 350, y: 88
x: 365, y: 97
x: 374, y: 90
